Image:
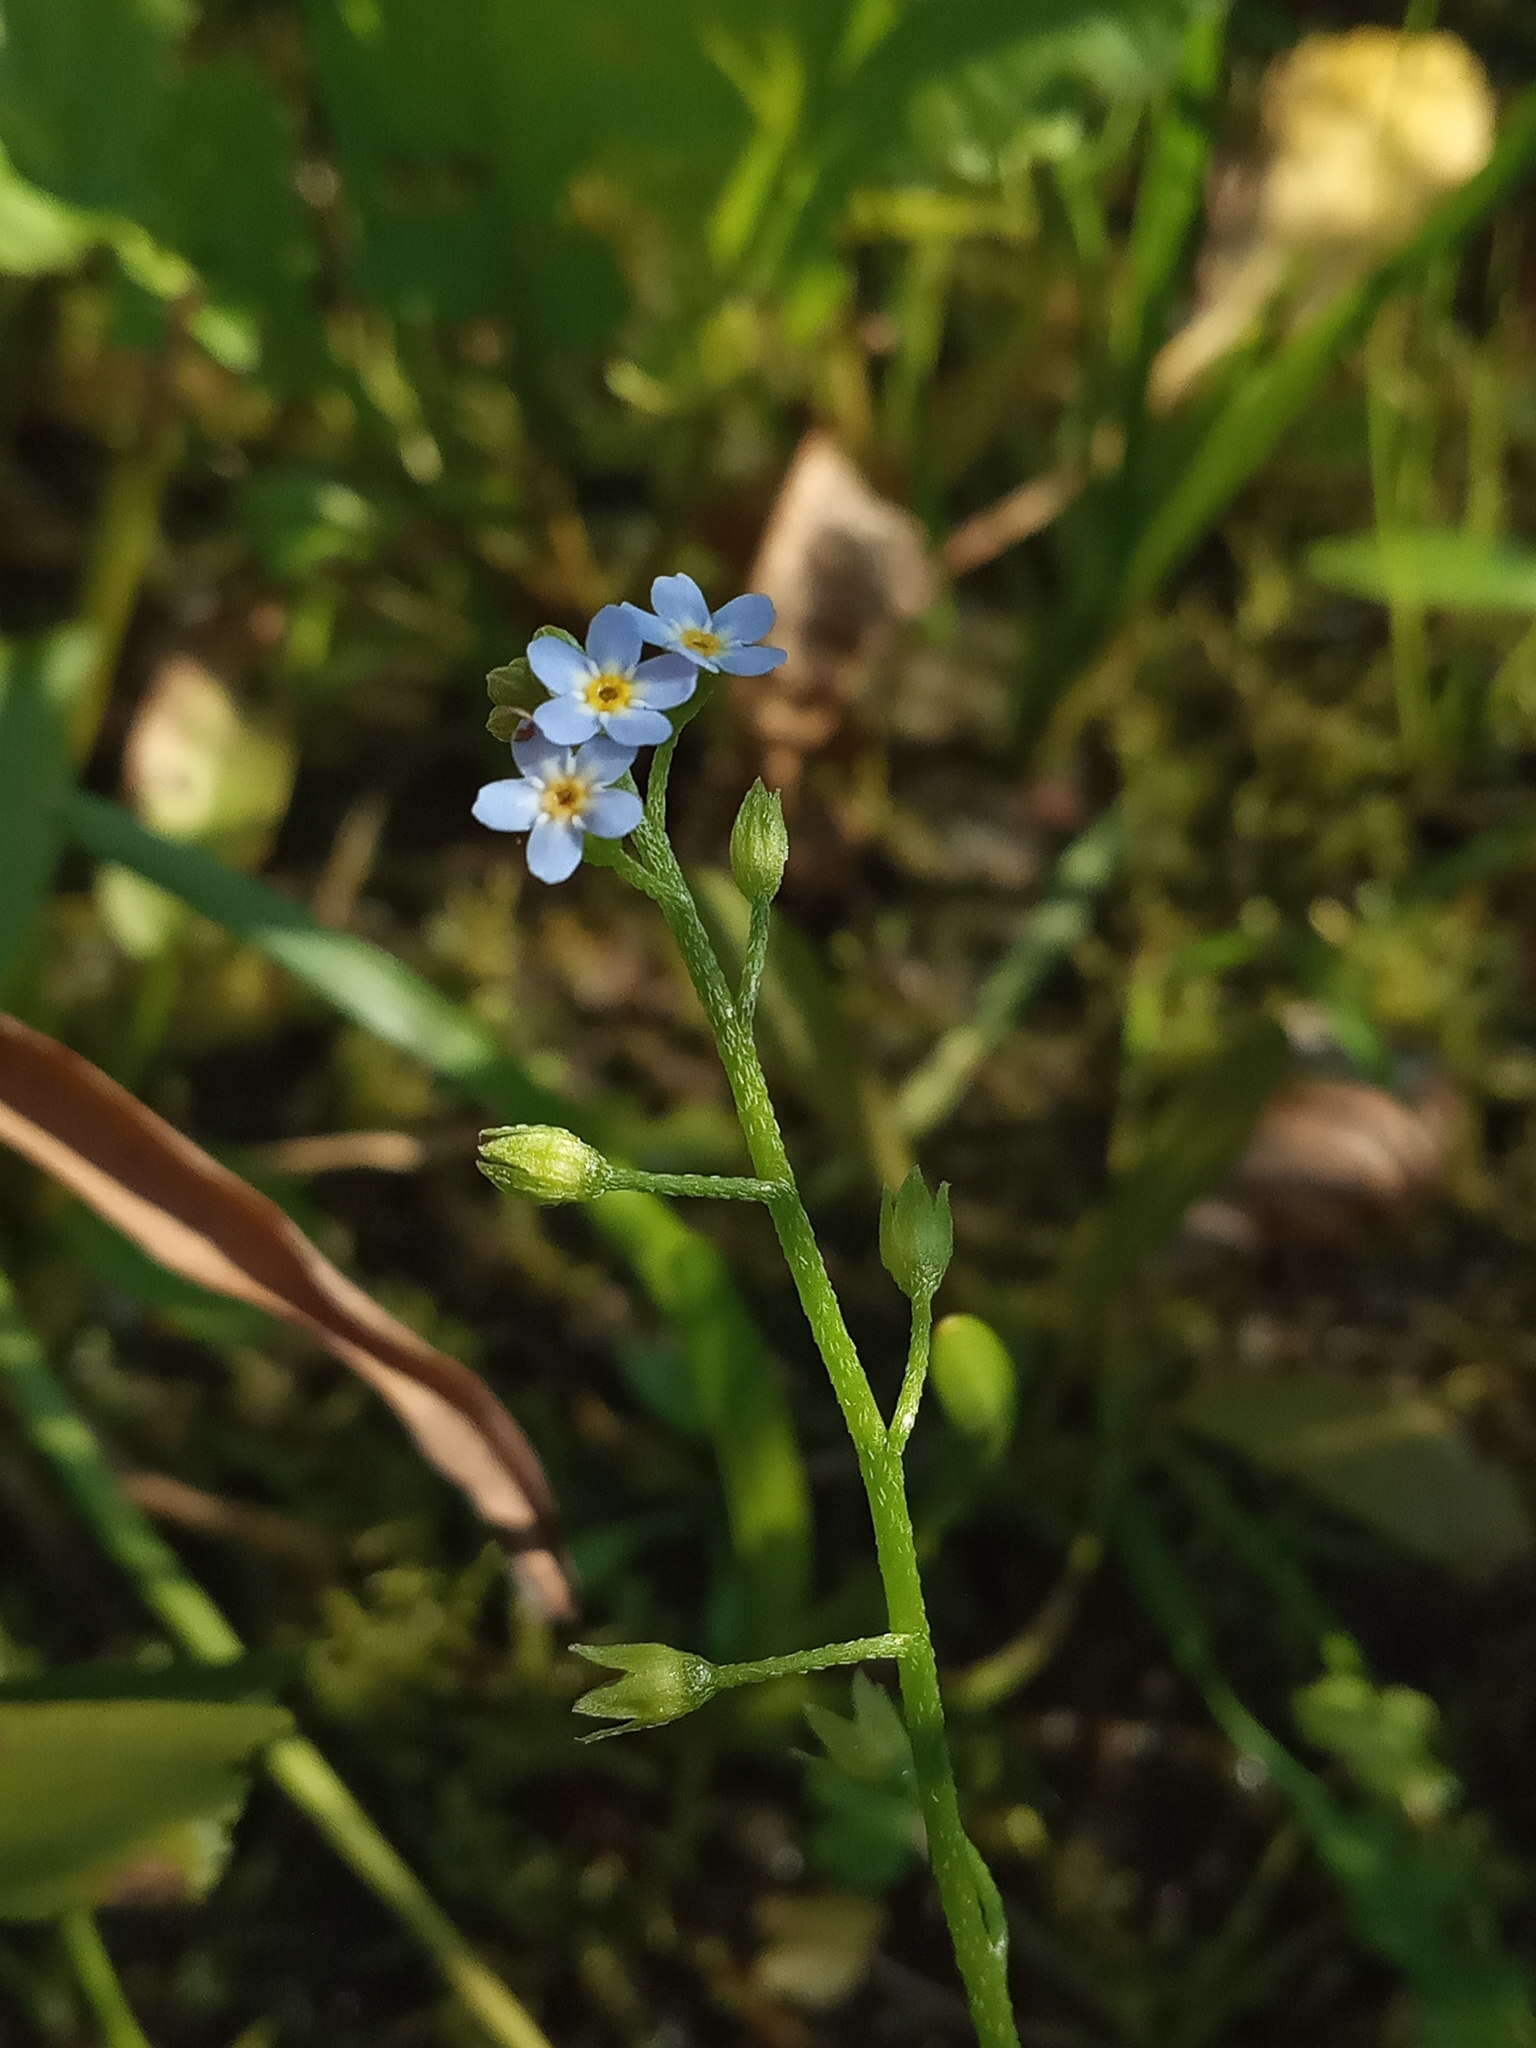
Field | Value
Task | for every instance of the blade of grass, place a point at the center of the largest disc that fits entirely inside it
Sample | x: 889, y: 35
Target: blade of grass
x: 1168, y: 199
x: 70, y: 1447
x: 1053, y: 928
x: 761, y: 1470
x: 40, y: 681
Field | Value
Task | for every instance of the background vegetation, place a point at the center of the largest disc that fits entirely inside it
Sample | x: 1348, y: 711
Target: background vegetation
x: 1163, y: 840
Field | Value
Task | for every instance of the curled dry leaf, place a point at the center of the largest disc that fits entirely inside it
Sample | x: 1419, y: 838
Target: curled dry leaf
x: 1332, y: 1161
x: 845, y: 568
x: 199, y: 1220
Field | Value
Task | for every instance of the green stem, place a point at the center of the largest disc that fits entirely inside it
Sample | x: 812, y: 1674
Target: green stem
x: 98, y: 1981
x: 980, y: 1951
x: 723, y: 1187
x: 795, y: 1662
x: 755, y: 959
x: 191, y: 1619
x: 916, y: 1378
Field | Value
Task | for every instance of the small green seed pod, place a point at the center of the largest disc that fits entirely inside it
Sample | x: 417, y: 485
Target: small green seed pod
x: 917, y: 1236
x: 759, y: 844
x: 660, y: 1684
x: 543, y: 1164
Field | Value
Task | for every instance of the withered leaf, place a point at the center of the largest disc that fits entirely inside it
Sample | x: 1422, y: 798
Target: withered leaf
x: 201, y: 1221
x: 845, y: 568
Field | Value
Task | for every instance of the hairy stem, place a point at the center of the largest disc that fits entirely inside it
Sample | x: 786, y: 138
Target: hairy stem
x: 918, y: 1353
x: 976, y: 1931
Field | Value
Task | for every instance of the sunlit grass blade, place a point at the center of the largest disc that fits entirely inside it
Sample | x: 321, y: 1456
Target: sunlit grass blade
x: 1444, y: 569
x: 761, y: 1469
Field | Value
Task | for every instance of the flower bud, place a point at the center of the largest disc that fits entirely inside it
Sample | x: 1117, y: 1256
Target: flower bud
x: 660, y: 1684
x: 543, y: 1164
x: 759, y: 844
x: 917, y: 1236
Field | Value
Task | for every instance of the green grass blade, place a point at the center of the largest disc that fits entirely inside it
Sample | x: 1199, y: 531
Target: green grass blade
x: 1443, y: 569
x: 762, y: 1473
x: 1168, y: 197
x: 1053, y: 928
x: 40, y: 681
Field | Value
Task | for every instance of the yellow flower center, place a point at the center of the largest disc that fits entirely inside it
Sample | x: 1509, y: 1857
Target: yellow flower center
x: 609, y: 692
x: 565, y: 797
x: 699, y: 640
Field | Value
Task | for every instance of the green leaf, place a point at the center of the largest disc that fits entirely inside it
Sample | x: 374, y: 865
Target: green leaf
x: 84, y: 1784
x: 1439, y: 568
x: 39, y: 683
x: 1399, y: 1463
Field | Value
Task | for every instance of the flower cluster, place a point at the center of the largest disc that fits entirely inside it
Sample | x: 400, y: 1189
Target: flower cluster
x: 605, y: 702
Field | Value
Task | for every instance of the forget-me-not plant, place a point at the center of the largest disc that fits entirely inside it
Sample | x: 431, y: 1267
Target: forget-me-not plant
x: 560, y: 796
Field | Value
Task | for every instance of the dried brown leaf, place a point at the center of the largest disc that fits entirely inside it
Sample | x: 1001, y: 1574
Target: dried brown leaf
x: 844, y: 567
x: 199, y: 1220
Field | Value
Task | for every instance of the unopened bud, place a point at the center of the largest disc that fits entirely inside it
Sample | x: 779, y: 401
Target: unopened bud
x: 543, y: 1164
x: 917, y: 1236
x: 659, y: 1685
x: 759, y: 844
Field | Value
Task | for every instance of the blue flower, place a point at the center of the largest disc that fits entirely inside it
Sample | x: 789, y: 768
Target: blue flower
x: 609, y: 689
x: 727, y: 639
x: 562, y: 793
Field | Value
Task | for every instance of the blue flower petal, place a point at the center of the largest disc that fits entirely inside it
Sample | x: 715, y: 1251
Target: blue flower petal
x: 613, y: 640
x: 679, y: 601
x: 558, y: 665
x: 613, y: 813
x: 603, y: 760
x: 745, y: 619
x: 538, y: 756
x: 666, y: 680
x: 751, y: 661
x: 565, y: 721
x: 508, y: 806
x: 637, y: 727
x: 554, y: 849
x: 651, y: 629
